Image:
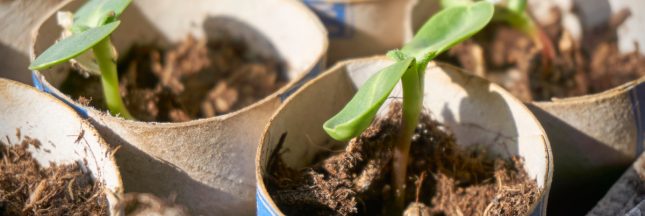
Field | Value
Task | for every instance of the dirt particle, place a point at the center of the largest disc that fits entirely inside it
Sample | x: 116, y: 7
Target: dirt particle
x: 33, y: 142
x: 84, y: 101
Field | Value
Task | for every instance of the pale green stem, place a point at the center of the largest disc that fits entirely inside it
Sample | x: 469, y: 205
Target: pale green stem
x: 110, y: 79
x: 412, y: 105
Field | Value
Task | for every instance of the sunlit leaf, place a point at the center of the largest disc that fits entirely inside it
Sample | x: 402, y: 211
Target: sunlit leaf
x: 397, y: 55
x: 447, y: 28
x: 95, y: 13
x: 357, y: 115
x: 517, y: 6
x: 454, y: 3
x: 73, y: 46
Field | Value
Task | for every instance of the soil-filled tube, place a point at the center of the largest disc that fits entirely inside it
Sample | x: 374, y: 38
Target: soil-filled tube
x: 476, y: 111
x: 207, y: 164
x: 594, y: 136
x: 60, y: 136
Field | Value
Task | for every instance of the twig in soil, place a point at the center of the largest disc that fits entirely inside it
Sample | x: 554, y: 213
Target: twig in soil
x: 458, y: 211
x: 80, y: 136
x: 419, y: 184
x: 69, y: 188
x: 277, y: 149
x: 489, y: 207
x: 276, y: 152
x: 35, y: 196
x: 101, y: 192
x: 498, y: 178
x: 5, y: 158
x: 114, y: 150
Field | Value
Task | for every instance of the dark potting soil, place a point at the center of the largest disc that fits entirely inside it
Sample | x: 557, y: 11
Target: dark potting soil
x: 511, y: 59
x: 26, y: 188
x: 449, y: 179
x: 142, y: 204
x: 194, y: 79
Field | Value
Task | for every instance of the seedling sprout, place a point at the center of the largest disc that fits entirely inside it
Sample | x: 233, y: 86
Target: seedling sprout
x: 91, y: 28
x: 447, y: 28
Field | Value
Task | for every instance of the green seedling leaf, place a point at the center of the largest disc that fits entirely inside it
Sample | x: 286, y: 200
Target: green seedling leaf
x: 516, y: 6
x: 361, y: 109
x: 95, y: 13
x: 447, y: 28
x: 84, y: 63
x: 73, y: 46
x: 397, y: 55
x: 455, y: 3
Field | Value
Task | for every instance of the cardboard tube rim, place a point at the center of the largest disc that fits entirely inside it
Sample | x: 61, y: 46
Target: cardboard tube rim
x: 592, y: 98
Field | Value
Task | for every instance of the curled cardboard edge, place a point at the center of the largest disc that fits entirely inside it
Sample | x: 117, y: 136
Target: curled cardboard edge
x: 57, y: 127
x: 607, y: 127
x: 206, y: 163
x: 614, y: 112
x: 266, y: 206
x: 594, y: 137
x: 18, y: 18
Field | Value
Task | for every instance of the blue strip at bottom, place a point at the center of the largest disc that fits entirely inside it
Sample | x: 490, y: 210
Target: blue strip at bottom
x: 40, y: 86
x: 263, y: 207
x: 637, y: 96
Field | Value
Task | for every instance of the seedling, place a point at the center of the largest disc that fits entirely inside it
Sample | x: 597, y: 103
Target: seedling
x: 445, y: 29
x: 513, y: 12
x: 91, y: 28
